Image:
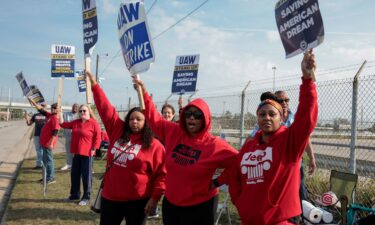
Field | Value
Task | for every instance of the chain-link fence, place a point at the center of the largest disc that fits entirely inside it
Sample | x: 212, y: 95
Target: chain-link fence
x: 335, y: 145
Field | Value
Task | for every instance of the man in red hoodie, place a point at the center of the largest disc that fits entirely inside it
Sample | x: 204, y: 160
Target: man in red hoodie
x: 192, y: 157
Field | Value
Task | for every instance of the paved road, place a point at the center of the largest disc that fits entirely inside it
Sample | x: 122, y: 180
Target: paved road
x: 15, y: 145
x: 10, y: 134
x: 14, y: 140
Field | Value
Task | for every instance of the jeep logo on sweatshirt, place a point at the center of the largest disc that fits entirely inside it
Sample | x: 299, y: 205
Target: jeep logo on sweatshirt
x: 130, y: 153
x: 253, y: 164
x: 185, y: 155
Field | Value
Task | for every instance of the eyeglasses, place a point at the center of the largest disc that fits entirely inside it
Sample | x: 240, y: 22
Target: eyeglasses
x: 53, y: 107
x: 82, y: 111
x: 284, y: 100
x: 198, y: 115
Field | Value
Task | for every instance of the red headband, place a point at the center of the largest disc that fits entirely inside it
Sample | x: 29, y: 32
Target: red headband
x: 271, y: 102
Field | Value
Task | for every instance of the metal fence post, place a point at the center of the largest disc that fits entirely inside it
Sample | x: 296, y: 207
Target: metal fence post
x: 242, y: 116
x: 353, y: 140
x: 189, y: 98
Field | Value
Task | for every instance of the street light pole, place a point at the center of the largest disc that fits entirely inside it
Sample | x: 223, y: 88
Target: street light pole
x: 97, y: 66
x: 274, y: 72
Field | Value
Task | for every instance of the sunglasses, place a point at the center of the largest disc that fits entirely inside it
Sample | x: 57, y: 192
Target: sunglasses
x: 198, y: 115
x: 82, y: 111
x: 284, y: 100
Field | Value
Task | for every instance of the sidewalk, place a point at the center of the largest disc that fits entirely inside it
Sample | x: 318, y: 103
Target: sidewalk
x: 21, y: 148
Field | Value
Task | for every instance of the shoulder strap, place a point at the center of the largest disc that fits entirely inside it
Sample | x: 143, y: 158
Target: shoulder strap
x: 114, y: 160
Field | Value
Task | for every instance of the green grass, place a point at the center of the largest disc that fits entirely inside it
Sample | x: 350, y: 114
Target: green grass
x: 29, y: 206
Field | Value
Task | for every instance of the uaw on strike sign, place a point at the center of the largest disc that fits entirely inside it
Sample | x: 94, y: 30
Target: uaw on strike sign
x: 185, y: 74
x: 300, y: 25
x: 135, y: 38
x: 62, y: 62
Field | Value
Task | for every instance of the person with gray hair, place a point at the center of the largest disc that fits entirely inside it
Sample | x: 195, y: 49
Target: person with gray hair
x: 68, y: 117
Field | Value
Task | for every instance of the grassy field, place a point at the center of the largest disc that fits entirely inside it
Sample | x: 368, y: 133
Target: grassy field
x: 29, y: 206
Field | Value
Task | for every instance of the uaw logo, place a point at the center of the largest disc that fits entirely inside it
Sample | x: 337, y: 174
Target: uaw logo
x: 185, y: 155
x: 253, y: 164
x: 303, y: 45
x: 129, y: 154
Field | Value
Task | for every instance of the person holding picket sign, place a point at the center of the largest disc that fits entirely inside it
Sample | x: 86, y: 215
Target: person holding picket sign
x: 192, y: 157
x: 264, y: 182
x: 85, y: 140
x: 48, y: 138
x: 135, y: 181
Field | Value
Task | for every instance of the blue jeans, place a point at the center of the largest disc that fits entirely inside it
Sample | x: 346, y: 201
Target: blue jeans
x: 48, y: 163
x: 69, y: 156
x: 39, y: 152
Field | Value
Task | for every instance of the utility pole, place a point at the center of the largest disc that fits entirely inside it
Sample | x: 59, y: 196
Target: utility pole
x: 97, y: 66
x: 274, y: 72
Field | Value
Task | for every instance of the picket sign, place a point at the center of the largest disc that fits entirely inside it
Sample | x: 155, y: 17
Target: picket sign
x: 135, y: 40
x: 300, y: 26
x: 90, y: 37
x: 185, y: 74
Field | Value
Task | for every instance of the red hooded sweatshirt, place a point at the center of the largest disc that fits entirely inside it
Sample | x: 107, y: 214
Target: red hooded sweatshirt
x: 264, y: 182
x: 190, y: 161
x: 49, y: 127
x: 85, y: 136
x: 138, y: 173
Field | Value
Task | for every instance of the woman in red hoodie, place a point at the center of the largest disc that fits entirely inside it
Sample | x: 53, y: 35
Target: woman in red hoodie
x: 85, y: 140
x: 192, y: 157
x: 264, y: 182
x: 135, y: 180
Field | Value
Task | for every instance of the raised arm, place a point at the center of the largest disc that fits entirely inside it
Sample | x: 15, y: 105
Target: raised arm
x: 106, y: 111
x: 307, y: 111
x: 157, y: 123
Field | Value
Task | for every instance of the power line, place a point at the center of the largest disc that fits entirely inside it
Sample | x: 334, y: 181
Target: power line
x: 161, y: 33
x: 153, y: 3
x: 180, y: 20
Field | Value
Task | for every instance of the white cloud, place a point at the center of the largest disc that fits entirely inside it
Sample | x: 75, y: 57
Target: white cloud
x: 178, y: 4
x: 273, y: 36
x: 109, y: 8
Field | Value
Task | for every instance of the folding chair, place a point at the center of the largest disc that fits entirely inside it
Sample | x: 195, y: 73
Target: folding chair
x: 222, y: 207
x: 342, y: 183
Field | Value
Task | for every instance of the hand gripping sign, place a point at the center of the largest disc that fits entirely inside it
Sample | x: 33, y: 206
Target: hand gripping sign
x: 90, y: 37
x: 300, y: 25
x: 135, y: 39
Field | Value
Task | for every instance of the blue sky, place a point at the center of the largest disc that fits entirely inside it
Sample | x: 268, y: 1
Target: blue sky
x: 237, y: 41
